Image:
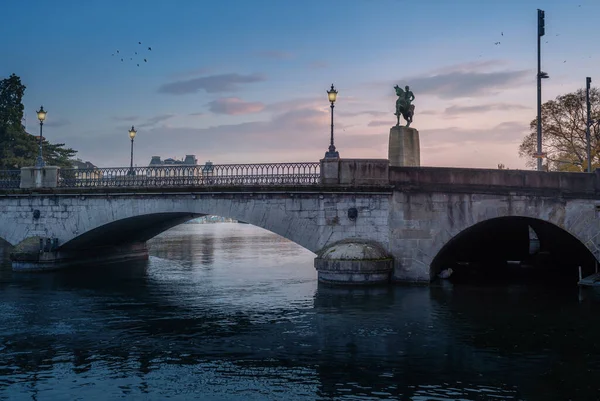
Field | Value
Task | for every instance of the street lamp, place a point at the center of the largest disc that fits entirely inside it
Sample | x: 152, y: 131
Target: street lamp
x: 132, y: 133
x: 332, y: 153
x: 41, y: 115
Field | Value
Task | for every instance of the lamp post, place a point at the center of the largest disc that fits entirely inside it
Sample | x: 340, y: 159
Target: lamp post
x: 332, y: 153
x: 132, y: 133
x: 41, y: 115
x: 540, y: 75
x: 588, y: 122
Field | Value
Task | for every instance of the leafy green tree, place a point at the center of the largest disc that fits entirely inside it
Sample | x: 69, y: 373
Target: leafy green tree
x: 17, y: 147
x: 564, y: 133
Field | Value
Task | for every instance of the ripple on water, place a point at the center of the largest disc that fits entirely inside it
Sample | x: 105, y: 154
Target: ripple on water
x: 229, y: 312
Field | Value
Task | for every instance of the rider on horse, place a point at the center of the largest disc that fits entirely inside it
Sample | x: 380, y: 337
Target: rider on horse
x: 404, y: 104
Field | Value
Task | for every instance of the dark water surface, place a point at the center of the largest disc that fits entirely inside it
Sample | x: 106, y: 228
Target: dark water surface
x: 232, y: 312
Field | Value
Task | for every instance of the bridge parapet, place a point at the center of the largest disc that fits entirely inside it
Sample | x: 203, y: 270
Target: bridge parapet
x: 355, y: 172
x: 470, y: 179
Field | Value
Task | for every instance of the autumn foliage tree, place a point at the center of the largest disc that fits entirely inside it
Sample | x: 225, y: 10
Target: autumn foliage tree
x: 564, y: 133
x: 17, y: 147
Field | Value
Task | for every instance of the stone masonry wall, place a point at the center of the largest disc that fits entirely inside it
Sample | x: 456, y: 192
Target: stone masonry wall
x: 413, y: 225
x: 310, y: 220
x: 422, y: 223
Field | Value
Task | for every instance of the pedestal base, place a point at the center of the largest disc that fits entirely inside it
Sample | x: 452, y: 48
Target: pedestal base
x: 354, y: 263
x: 404, y: 148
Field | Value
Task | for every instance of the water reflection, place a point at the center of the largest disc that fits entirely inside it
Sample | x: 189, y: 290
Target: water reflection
x: 252, y: 323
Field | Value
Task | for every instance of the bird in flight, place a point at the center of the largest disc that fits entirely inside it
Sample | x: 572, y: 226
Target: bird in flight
x: 150, y: 48
x: 139, y: 43
x: 145, y: 61
x: 497, y: 43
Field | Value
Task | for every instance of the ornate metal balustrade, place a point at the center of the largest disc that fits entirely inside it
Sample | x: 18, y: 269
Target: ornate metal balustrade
x: 10, y: 178
x: 202, y: 175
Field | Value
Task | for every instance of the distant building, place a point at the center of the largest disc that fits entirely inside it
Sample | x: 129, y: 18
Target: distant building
x: 80, y: 164
x: 190, y: 160
x: 174, y: 168
x: 89, y: 171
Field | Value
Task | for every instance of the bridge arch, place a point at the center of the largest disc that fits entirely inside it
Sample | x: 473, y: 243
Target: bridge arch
x: 494, y: 241
x: 127, y: 230
x: 131, y: 220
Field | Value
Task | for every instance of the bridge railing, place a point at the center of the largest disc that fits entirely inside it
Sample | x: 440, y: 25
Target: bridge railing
x: 10, y: 178
x: 305, y: 173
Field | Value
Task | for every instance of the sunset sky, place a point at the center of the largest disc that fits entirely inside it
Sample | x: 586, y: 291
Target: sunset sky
x: 245, y: 81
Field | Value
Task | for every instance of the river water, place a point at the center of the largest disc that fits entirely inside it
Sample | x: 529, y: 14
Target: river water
x: 232, y: 312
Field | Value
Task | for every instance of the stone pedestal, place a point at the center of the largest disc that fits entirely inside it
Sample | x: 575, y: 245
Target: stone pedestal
x: 36, y: 177
x: 404, y: 148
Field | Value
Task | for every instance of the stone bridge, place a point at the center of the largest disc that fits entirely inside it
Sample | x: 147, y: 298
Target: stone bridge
x: 367, y: 222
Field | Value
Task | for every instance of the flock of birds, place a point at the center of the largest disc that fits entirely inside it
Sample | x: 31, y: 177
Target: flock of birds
x: 138, y: 55
x: 502, y: 34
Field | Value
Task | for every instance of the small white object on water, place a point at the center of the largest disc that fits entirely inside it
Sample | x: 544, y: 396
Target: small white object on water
x: 446, y: 273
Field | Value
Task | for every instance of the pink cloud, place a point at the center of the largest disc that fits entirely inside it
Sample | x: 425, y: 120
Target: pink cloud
x: 234, y: 106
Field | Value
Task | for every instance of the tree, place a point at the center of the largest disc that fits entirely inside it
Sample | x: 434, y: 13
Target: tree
x: 564, y: 133
x: 17, y: 147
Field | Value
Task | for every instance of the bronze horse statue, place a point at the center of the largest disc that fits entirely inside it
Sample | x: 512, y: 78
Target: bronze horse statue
x: 404, y: 107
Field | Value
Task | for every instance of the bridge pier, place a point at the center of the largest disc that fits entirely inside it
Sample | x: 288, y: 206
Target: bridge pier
x: 27, y: 257
x: 354, y: 262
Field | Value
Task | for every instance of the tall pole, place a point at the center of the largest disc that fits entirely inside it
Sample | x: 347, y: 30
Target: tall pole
x: 331, y: 145
x: 40, y: 159
x: 131, y: 163
x: 331, y: 152
x: 588, y: 122
x: 541, y: 32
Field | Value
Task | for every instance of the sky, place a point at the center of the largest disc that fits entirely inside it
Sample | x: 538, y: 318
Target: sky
x: 238, y: 81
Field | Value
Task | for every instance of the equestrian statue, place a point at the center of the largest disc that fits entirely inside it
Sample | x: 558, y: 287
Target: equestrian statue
x: 404, y: 106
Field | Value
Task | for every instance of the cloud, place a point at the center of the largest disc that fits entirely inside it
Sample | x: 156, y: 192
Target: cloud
x: 458, y: 84
x: 474, y: 79
x: 470, y: 66
x: 313, y: 102
x: 126, y: 118
x: 371, y: 113
x: 58, y: 122
x: 380, y: 123
x: 198, y: 114
x: 441, y: 138
x: 482, y: 108
x: 155, y: 120
x: 318, y: 64
x: 299, y: 134
x: 234, y: 106
x: 429, y: 112
x: 275, y: 54
x: 210, y: 84
x: 192, y: 73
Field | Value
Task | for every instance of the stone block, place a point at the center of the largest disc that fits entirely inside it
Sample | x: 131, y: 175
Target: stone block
x: 330, y: 171
x: 361, y: 172
x: 45, y: 177
x: 404, y: 149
